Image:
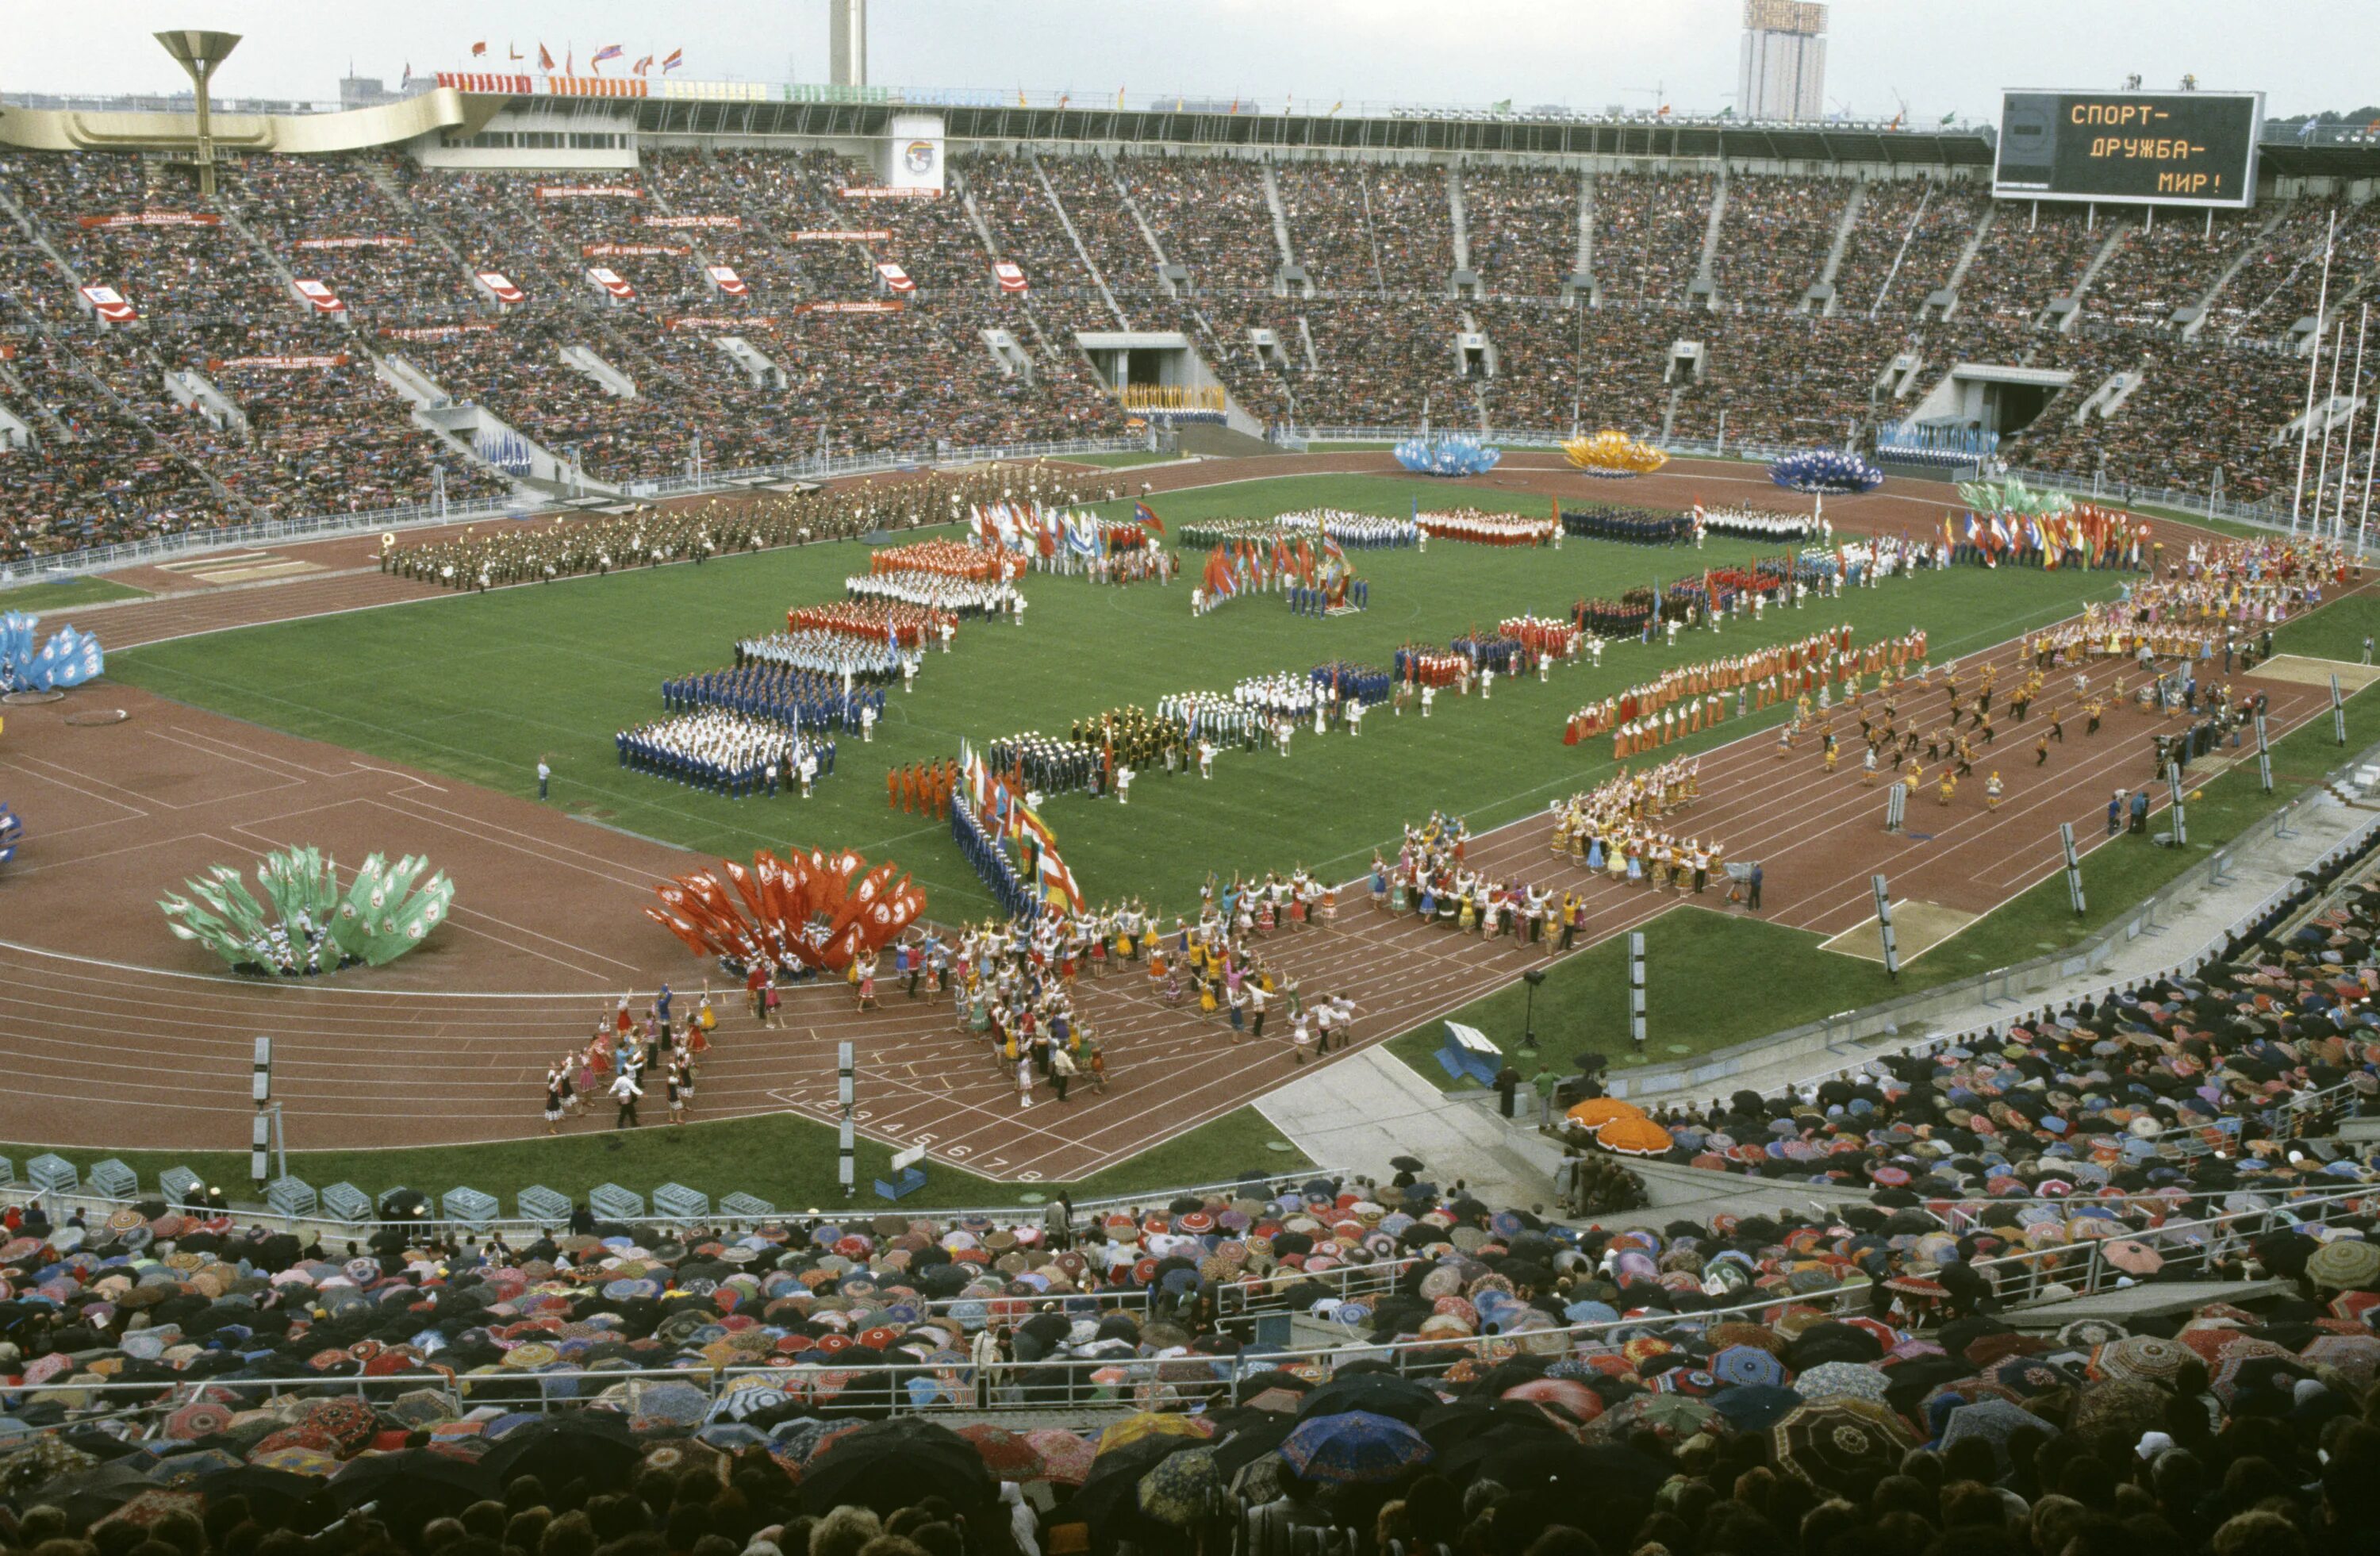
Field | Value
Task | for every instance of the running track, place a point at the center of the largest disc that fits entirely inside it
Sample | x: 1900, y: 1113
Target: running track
x: 122, y: 1055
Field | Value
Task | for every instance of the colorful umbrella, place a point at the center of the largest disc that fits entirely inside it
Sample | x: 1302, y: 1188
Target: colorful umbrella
x: 1355, y: 1447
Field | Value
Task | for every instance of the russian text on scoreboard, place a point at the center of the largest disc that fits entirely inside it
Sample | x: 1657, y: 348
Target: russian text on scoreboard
x: 2129, y: 148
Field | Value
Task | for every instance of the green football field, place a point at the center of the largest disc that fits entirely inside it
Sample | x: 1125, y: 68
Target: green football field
x: 480, y: 687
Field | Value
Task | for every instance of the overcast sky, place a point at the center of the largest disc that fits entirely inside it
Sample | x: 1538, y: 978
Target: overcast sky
x: 1937, y: 56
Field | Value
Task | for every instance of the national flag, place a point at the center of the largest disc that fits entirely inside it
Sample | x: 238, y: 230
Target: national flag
x: 1236, y: 106
x: 1727, y: 113
x: 569, y: 62
x: 1895, y: 124
x: 1336, y: 106
x: 1058, y: 881
x: 514, y: 54
x: 672, y: 60
x: 1119, y: 100
x: 1146, y: 516
x: 408, y: 72
x: 544, y: 60
x: 479, y: 49
x: 1951, y: 117
x: 1664, y: 111
x: 1064, y: 98
x: 609, y: 51
x: 1020, y: 97
x: 643, y: 64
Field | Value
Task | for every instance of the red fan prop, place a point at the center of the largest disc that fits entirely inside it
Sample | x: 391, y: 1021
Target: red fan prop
x: 822, y: 910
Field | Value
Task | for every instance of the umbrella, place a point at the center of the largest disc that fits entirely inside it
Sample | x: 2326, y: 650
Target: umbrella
x: 89, y: 1495
x: 1147, y: 1424
x: 1842, y: 1446
x: 1406, y: 1163
x: 589, y: 1445
x: 896, y: 1464
x: 259, y: 1485
x: 416, y: 1478
x: 1065, y: 1456
x: 2345, y: 1264
x: 1842, y: 1379
x: 1596, y: 1112
x: 1006, y: 1453
x: 1182, y: 1488
x: 1995, y: 1421
x: 1354, y: 1447
x: 1378, y: 1393
x: 1633, y: 1136
x: 2132, y: 1257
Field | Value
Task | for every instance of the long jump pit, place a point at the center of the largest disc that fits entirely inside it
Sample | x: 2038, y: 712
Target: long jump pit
x: 2303, y: 670
x: 1917, y: 927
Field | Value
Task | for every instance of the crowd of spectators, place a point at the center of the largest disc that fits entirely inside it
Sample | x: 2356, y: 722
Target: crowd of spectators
x: 1210, y: 217
x: 1774, y: 239
x: 1906, y: 245
x: 2283, y: 280
x: 1060, y: 296
x: 1329, y: 217
x: 1087, y: 188
x: 1412, y: 227
x: 2190, y: 417
x: 1789, y: 379
x: 2164, y: 264
x: 2033, y: 252
x: 402, y: 277
x: 1523, y: 223
x: 1648, y: 234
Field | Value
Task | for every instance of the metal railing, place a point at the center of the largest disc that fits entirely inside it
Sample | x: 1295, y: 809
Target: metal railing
x: 61, y: 1203
x: 2011, y: 986
x: 414, y: 515
x: 2187, y: 1248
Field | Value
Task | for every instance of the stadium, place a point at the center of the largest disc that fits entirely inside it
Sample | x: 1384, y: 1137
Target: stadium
x: 770, y: 815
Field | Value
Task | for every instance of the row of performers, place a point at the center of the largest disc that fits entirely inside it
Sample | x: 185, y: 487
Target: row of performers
x: 1687, y: 699
x: 808, y: 699
x: 728, y: 753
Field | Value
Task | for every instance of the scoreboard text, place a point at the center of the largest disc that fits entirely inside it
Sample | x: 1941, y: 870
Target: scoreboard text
x: 2129, y: 147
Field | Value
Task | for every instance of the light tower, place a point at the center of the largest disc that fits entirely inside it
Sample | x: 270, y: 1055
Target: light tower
x: 848, y: 43
x: 198, y: 52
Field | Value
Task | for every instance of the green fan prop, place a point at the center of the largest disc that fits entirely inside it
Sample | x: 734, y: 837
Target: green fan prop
x: 2012, y: 497
x: 306, y: 924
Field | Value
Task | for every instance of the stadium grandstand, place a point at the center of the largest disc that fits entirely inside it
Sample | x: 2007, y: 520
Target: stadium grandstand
x: 2064, y: 1243
x: 1688, y: 282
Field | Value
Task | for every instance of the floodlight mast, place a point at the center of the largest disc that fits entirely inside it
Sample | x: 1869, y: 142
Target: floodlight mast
x: 198, y: 52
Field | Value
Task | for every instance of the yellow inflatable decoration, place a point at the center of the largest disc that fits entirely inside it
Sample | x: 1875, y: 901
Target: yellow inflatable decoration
x: 1613, y: 452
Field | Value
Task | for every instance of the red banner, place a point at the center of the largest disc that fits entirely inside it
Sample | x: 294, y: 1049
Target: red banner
x: 858, y: 234
x: 152, y: 219
x: 320, y: 298
x: 216, y: 364
x: 877, y: 305
x: 694, y: 220
x: 355, y: 243
x: 726, y: 280
x: 588, y: 191
x: 628, y: 250
x: 610, y: 281
x: 501, y: 286
x: 474, y: 80
x: 718, y: 322
x: 109, y: 304
x: 1010, y: 277
x: 433, y: 332
x: 896, y: 278
x: 595, y: 86
x: 874, y: 192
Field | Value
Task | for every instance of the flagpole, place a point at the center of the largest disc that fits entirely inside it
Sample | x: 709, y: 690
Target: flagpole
x: 2371, y: 466
x: 2347, y: 449
x: 2322, y: 467
x: 2305, y: 427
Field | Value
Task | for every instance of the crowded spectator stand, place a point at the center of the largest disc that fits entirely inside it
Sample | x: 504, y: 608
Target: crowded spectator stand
x: 1447, y: 453
x: 1613, y: 455
x: 1825, y: 470
x: 795, y: 914
x: 1632, y: 527
x: 1477, y: 527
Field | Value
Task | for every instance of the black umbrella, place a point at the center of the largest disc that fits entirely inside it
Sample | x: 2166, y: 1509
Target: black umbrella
x: 589, y: 1445
x: 260, y: 1485
x: 1382, y: 1393
x: 896, y: 1464
x: 1406, y: 1163
x: 88, y: 1496
x: 415, y: 1479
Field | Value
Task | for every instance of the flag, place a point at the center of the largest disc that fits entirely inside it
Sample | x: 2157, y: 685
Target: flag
x: 1057, y: 881
x: 1146, y: 516
x: 569, y: 62
x: 1505, y: 107
x: 1664, y: 111
x: 1727, y: 113
x: 1951, y: 117
x: 408, y: 70
x: 1020, y: 97
x: 1064, y: 98
x: 609, y: 51
x: 1336, y: 106
x: 643, y: 64
x: 479, y: 49
x: 544, y: 60
x: 1895, y: 124
x: 1236, y: 106
x: 515, y: 54
x: 672, y: 60
x: 1119, y: 100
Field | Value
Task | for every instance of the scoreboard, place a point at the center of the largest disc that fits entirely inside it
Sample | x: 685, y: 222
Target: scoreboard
x: 2129, y: 147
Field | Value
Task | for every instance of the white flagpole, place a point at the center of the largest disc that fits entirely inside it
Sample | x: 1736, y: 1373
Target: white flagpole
x: 2347, y: 449
x: 2371, y: 466
x: 2305, y: 427
x: 2322, y: 467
